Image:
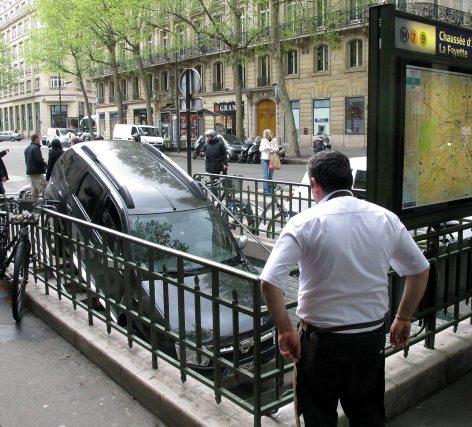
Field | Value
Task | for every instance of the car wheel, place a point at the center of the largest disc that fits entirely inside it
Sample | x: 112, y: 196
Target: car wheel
x: 12, y: 139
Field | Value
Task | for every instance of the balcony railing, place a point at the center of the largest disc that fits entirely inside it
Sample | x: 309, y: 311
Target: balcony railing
x: 135, y: 96
x: 217, y: 86
x: 111, y: 99
x: 263, y: 81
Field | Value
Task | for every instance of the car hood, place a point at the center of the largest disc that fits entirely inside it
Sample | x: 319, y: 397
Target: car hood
x: 228, y: 283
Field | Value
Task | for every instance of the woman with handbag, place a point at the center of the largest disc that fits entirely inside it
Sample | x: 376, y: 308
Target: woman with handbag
x: 269, y: 147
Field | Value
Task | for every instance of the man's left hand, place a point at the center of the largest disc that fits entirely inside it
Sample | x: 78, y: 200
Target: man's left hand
x: 289, y: 345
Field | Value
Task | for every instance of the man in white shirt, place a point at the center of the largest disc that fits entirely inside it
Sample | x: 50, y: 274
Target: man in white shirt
x: 344, y: 248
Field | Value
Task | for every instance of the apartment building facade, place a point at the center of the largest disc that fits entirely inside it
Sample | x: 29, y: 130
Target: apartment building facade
x: 326, y: 82
x: 39, y: 100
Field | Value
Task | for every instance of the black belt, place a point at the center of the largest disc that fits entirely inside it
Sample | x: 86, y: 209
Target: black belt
x: 308, y: 328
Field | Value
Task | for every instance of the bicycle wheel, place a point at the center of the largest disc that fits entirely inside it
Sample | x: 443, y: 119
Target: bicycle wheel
x: 20, y: 278
x: 246, y: 214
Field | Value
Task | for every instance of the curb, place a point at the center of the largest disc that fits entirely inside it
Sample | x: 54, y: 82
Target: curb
x: 192, y: 404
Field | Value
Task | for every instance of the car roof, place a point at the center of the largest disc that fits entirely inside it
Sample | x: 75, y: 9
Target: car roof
x: 156, y: 184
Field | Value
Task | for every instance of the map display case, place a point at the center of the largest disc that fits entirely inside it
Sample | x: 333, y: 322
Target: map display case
x: 419, y: 150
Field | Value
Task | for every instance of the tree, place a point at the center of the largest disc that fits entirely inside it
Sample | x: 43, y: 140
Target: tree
x: 283, y: 98
x: 134, y: 30
x: 60, y: 49
x: 8, y: 75
x: 228, y: 32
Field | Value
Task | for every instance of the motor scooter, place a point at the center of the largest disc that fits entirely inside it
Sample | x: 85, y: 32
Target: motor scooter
x: 245, y: 150
x: 254, y: 155
x: 320, y: 142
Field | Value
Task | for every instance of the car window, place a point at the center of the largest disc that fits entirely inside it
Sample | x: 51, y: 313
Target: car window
x: 73, y: 167
x: 89, y: 193
x: 360, y: 180
x: 149, y: 131
x: 110, y: 218
x: 134, y: 131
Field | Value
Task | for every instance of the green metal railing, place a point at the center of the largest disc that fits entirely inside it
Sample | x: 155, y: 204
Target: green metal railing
x: 123, y: 282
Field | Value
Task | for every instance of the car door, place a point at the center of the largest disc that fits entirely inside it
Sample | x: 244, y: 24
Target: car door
x: 2, y: 136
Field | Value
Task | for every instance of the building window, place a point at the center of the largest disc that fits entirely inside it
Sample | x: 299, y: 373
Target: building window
x: 59, y: 116
x: 17, y: 117
x: 355, y: 115
x: 264, y: 71
x: 292, y: 62
x: 164, y: 39
x: 242, y: 75
x: 55, y: 80
x: 111, y: 91
x: 101, y: 93
x: 355, y: 10
x: 321, y: 58
x: 218, y: 74
x: 136, y: 88
x: 165, y: 80
x: 291, y: 17
x: 30, y: 116
x: 37, y: 115
x: 264, y: 14
x: 124, y: 89
x: 321, y: 116
x: 355, y: 53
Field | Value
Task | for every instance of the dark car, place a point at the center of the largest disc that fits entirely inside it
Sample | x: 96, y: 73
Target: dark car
x: 135, y: 189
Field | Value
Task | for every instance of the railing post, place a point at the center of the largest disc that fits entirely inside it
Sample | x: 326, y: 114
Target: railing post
x: 257, y: 385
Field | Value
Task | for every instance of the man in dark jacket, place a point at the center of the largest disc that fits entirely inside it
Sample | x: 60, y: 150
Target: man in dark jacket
x: 215, y: 153
x: 3, y: 171
x: 35, y: 168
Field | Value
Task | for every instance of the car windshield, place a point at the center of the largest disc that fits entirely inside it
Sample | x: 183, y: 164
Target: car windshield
x: 149, y: 131
x: 231, y: 139
x: 198, y: 232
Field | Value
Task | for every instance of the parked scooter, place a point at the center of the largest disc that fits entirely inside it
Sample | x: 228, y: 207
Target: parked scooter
x: 282, y: 153
x: 320, y: 142
x: 254, y: 155
x: 245, y: 149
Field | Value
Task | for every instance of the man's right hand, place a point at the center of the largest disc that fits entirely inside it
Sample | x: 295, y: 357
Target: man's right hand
x: 400, y: 334
x: 289, y: 345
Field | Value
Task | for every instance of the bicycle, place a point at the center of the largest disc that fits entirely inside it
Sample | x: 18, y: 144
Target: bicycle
x: 16, y: 249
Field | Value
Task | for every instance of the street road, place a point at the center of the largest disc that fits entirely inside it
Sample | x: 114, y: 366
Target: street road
x: 15, y: 163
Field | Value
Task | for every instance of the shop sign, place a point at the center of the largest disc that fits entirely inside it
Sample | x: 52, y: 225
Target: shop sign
x: 224, y: 107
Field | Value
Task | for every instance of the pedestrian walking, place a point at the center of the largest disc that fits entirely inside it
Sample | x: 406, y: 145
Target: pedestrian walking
x: 3, y: 170
x: 268, y: 145
x: 215, y: 153
x: 344, y: 248
x: 35, y: 168
x: 55, y: 152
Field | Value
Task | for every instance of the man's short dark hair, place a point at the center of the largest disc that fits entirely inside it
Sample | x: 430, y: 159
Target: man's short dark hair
x: 34, y: 136
x: 331, y: 169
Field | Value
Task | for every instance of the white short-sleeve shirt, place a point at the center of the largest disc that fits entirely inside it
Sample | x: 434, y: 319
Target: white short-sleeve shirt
x: 344, y: 248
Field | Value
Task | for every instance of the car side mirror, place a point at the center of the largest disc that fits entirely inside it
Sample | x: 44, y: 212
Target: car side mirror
x: 136, y: 137
x: 242, y: 242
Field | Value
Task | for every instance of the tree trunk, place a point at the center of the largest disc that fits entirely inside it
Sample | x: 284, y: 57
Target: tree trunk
x: 116, y: 79
x: 284, y: 100
x: 88, y: 107
x: 142, y: 76
x: 239, y: 97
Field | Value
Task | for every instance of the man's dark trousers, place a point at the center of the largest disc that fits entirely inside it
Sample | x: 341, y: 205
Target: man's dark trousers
x: 346, y: 367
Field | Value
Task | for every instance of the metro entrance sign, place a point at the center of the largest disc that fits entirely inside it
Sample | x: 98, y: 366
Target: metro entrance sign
x: 194, y: 81
x: 419, y: 151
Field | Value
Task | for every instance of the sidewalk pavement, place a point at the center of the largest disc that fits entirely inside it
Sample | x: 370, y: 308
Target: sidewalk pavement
x: 47, y: 382
x: 192, y: 404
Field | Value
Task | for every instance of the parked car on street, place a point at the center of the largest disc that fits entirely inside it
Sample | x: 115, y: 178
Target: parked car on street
x: 137, y: 190
x: 10, y: 136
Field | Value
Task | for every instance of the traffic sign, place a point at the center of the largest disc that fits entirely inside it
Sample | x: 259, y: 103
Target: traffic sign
x: 196, y: 104
x: 194, y: 79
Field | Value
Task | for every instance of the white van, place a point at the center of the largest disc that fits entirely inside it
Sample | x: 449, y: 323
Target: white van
x: 62, y: 134
x: 149, y: 134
